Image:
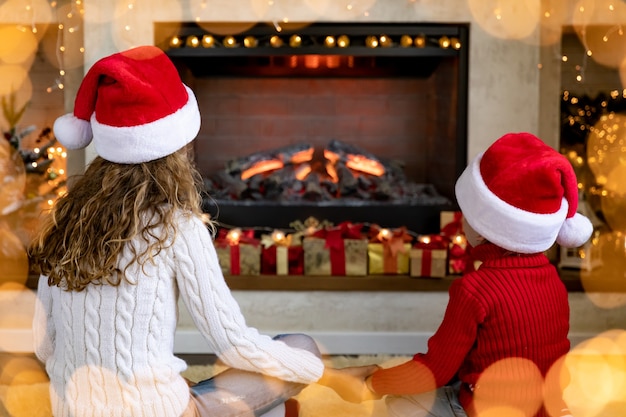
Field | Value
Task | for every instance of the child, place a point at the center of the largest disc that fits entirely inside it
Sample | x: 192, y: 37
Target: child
x: 119, y: 248
x: 506, y: 323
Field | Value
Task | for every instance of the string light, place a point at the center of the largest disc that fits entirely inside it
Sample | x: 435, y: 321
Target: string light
x: 250, y: 42
x: 230, y: 42
x: 208, y: 41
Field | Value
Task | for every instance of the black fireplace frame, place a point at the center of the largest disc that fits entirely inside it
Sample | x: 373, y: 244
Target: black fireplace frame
x: 203, y: 61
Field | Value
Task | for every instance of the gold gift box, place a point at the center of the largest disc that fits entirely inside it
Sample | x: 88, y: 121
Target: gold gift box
x: 249, y: 259
x: 381, y: 263
x: 435, y: 261
x: 318, y: 259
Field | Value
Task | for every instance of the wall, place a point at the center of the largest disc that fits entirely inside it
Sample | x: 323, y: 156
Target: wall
x: 507, y: 92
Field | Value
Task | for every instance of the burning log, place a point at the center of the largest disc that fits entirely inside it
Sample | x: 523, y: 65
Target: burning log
x: 353, y: 157
x: 278, y: 181
x: 297, y: 153
x: 227, y: 184
x: 313, y: 190
x: 291, y: 174
x: 347, y: 182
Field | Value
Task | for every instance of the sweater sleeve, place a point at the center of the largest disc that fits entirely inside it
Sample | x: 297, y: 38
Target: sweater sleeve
x: 43, y: 325
x: 218, y: 317
x: 447, y: 349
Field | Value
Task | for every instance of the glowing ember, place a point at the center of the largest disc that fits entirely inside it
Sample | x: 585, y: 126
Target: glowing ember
x: 363, y: 164
x: 262, y: 167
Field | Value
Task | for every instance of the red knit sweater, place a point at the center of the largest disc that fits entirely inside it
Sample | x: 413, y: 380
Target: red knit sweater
x: 513, y: 306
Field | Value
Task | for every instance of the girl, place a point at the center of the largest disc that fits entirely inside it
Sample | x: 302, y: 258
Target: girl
x: 116, y: 252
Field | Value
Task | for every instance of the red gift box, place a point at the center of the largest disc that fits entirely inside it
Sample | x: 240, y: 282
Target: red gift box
x: 239, y: 253
x: 282, y: 260
x: 429, y: 257
x: 458, y: 254
x: 339, y: 251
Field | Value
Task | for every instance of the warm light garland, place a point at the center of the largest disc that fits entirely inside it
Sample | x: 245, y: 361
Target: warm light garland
x: 328, y: 41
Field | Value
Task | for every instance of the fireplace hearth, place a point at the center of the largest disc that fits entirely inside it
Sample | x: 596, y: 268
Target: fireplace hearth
x: 397, y: 93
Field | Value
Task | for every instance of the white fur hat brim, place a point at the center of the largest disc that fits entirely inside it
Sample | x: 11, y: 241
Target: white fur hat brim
x: 511, y: 227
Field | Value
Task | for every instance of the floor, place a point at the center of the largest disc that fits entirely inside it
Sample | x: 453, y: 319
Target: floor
x: 24, y: 386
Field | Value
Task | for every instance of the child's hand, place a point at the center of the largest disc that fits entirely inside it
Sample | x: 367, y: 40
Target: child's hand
x: 349, y: 383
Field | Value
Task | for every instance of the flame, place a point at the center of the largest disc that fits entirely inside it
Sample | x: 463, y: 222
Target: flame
x: 302, y: 171
x: 331, y: 156
x: 261, y: 167
x: 332, y: 172
x: 302, y: 156
x: 363, y: 164
x: 357, y: 163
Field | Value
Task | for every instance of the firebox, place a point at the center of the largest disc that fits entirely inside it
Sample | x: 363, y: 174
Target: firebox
x: 339, y: 121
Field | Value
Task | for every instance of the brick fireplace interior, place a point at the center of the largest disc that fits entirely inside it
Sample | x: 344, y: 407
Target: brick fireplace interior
x: 401, y: 102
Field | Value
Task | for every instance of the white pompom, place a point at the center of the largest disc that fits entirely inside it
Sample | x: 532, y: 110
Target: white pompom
x: 575, y: 231
x: 72, y: 132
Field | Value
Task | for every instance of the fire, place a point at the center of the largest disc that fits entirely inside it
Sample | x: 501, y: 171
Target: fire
x: 303, y: 156
x: 363, y: 164
x: 302, y: 171
x: 332, y: 172
x: 261, y: 167
x: 356, y: 162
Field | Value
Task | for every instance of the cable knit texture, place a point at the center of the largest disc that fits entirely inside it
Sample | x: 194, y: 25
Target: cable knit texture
x: 109, y: 350
x: 513, y: 306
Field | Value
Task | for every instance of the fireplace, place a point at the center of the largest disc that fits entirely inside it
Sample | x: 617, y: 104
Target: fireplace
x: 395, y: 92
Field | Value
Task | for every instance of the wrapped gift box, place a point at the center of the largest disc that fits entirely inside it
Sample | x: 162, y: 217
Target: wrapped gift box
x: 339, y: 251
x: 452, y: 229
x: 388, y: 251
x: 281, y: 256
x: 238, y: 255
x: 282, y: 260
x: 429, y: 257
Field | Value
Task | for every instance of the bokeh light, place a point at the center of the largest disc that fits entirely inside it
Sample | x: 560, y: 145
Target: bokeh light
x: 507, y: 19
x: 554, y: 14
x: 606, y: 145
x: 523, y: 398
x: 597, y: 372
x: 605, y: 285
x: 13, y: 257
x: 15, y: 11
x: 598, y: 25
x: 66, y: 50
x: 613, y: 198
x: 16, y: 308
x: 13, y: 174
x: 18, y: 46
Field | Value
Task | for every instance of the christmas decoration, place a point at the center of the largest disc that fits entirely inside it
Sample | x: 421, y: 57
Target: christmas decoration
x: 33, y: 177
x: 429, y: 257
x: 388, y: 251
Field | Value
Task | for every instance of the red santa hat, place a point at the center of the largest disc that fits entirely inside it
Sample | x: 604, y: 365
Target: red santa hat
x: 134, y: 107
x: 522, y: 195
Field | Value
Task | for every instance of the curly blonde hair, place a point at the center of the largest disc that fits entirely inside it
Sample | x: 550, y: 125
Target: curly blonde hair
x: 86, y: 230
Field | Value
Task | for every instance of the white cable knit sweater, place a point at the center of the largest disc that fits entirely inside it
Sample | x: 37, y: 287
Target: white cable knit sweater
x: 109, y: 350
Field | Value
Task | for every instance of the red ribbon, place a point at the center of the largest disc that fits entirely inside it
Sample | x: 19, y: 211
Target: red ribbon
x: 334, y: 243
x: 434, y: 242
x: 235, y: 260
x: 459, y: 258
x: 455, y: 227
x: 295, y: 258
x: 427, y: 262
x: 222, y: 241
